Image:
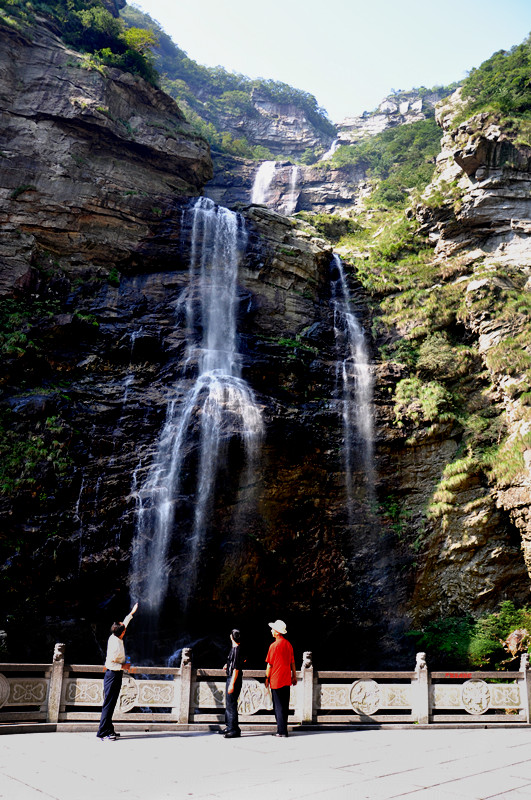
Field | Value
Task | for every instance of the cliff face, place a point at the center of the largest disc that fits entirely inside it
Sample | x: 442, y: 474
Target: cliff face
x: 99, y: 174
x: 476, y: 214
x: 283, y: 128
x: 399, y: 109
x: 97, y: 170
x: 293, y: 187
x: 89, y: 156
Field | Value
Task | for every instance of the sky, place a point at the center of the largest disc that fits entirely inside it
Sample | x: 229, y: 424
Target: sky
x: 349, y: 54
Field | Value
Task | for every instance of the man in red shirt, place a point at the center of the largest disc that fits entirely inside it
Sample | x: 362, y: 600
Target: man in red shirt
x: 280, y: 675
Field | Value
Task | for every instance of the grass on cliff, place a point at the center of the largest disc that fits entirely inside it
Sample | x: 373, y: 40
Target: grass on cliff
x: 423, y: 317
x: 399, y: 159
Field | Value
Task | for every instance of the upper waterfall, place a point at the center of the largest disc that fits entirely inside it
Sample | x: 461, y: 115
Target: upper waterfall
x: 262, y: 182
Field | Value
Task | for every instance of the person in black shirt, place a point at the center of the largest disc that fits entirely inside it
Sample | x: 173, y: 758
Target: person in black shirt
x: 234, y: 670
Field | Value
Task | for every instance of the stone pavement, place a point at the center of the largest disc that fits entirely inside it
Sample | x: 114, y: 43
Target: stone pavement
x: 417, y: 764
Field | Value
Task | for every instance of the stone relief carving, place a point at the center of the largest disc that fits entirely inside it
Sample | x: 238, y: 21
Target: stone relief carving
x: 476, y: 696
x: 365, y: 697
x: 332, y: 697
x: 84, y: 692
x: 160, y: 693
x: 128, y: 694
x: 396, y: 696
x: 28, y: 692
x: 505, y: 696
x: 208, y: 694
x: 251, y: 698
x: 444, y: 696
x: 4, y: 690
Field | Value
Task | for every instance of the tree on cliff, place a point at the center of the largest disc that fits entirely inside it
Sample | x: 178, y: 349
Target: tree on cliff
x: 90, y: 27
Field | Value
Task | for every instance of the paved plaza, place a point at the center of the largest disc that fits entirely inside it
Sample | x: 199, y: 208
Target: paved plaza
x: 321, y: 765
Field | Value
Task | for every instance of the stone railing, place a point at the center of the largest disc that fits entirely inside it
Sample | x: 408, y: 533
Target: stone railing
x: 184, y: 696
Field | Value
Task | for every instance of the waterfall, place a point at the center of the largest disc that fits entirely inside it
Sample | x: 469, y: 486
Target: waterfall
x: 262, y: 182
x: 354, y: 381
x: 290, y: 204
x: 330, y: 152
x: 202, y: 415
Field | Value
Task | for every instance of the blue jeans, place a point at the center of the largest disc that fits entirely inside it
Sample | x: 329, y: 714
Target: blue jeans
x: 231, y: 707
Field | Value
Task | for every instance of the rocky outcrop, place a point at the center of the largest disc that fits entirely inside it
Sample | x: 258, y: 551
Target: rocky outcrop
x: 283, y: 128
x: 293, y: 187
x: 89, y: 156
x: 481, y: 196
x: 398, y: 109
x: 476, y: 214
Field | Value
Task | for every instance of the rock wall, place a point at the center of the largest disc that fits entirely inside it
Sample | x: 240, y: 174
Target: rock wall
x: 283, y: 128
x: 89, y: 156
x: 399, y: 109
x: 475, y: 214
x: 97, y: 173
x: 294, y: 187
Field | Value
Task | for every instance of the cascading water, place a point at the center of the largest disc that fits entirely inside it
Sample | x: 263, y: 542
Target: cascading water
x: 290, y: 204
x: 354, y: 382
x: 262, y: 182
x: 330, y: 152
x: 215, y: 408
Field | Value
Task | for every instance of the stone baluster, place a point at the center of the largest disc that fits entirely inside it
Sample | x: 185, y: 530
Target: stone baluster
x: 306, y: 692
x: 56, y: 683
x: 524, y: 682
x: 185, y: 695
x: 420, y: 690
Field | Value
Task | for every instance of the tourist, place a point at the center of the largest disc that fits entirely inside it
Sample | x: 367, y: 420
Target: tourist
x: 115, y: 664
x: 234, y: 670
x: 280, y: 675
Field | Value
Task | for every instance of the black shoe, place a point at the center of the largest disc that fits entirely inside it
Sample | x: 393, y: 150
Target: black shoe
x: 232, y: 735
x: 280, y: 735
x: 223, y: 731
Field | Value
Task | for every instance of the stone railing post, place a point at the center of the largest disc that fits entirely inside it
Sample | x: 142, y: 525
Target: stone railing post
x: 420, y: 690
x: 525, y: 686
x: 185, y: 695
x: 56, y: 683
x: 306, y: 691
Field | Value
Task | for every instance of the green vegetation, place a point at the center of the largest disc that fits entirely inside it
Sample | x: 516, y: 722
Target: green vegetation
x: 210, y: 95
x: 88, y: 26
x: 399, y: 159
x: 501, y: 83
x: 466, y: 642
x: 25, y: 460
x: 18, y: 319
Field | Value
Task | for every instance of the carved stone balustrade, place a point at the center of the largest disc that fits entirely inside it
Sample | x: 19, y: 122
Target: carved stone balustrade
x: 155, y: 697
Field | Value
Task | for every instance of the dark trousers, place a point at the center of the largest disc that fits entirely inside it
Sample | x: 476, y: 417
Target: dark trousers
x: 281, y: 708
x: 112, y: 683
x: 231, y: 707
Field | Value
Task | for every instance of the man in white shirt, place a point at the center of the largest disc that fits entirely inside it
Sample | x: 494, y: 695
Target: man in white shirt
x: 115, y: 663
